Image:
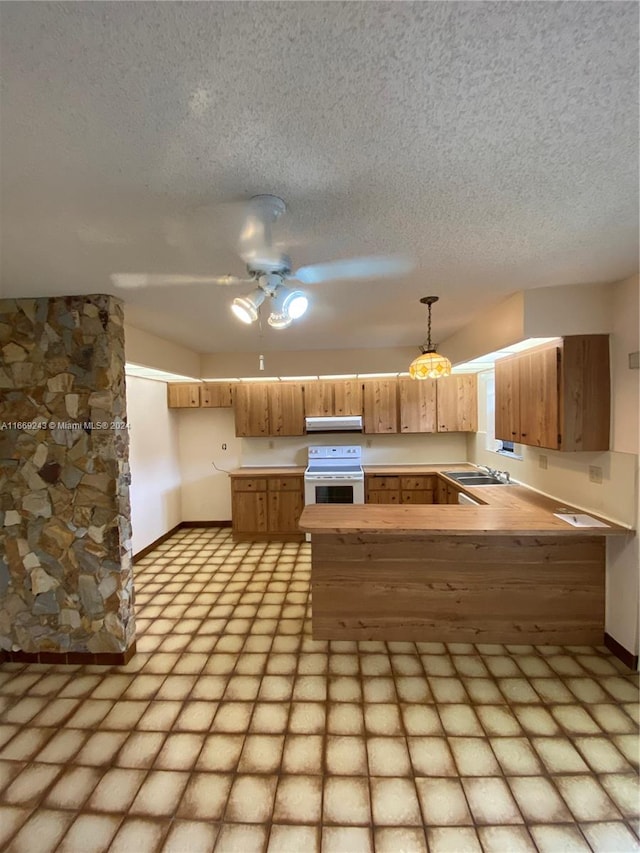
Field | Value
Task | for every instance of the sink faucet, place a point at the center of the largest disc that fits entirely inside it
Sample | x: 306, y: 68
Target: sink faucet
x: 505, y: 474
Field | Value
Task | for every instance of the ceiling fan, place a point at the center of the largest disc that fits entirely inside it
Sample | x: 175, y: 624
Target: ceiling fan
x: 268, y: 269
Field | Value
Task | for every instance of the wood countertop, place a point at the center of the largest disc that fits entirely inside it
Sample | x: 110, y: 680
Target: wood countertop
x: 505, y: 510
x: 445, y: 519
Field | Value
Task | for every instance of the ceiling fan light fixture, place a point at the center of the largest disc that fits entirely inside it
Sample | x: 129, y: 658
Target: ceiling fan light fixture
x: 245, y: 308
x: 295, y: 304
x: 279, y: 320
x: 429, y: 364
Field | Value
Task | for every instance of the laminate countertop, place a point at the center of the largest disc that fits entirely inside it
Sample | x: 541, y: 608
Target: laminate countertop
x: 509, y: 510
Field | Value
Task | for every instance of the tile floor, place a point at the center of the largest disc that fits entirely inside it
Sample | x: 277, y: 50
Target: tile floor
x: 233, y: 730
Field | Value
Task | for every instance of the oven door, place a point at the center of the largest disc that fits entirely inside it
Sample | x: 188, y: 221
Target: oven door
x: 332, y: 491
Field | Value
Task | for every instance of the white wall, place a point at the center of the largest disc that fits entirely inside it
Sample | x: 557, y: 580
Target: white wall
x: 625, y: 339
x: 376, y: 449
x: 206, y: 493
x: 153, y: 458
x: 151, y: 351
x: 623, y: 557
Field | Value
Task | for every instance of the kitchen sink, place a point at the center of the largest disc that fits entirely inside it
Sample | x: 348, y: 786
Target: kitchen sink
x: 473, y: 478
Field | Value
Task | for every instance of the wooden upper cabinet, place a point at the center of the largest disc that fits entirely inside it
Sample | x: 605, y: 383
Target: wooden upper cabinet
x: 286, y: 408
x: 556, y: 396
x: 217, y: 395
x: 417, y: 405
x: 381, y: 406
x: 252, y: 409
x: 183, y: 395
x: 325, y: 399
x: 347, y: 397
x: 585, y: 412
x: 318, y: 399
x: 539, y: 391
x: 457, y: 403
x: 507, y: 399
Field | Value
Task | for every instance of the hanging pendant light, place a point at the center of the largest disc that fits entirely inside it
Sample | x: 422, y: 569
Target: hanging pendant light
x: 430, y: 364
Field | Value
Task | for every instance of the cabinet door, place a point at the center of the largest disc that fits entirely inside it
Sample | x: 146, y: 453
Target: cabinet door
x: 441, y: 490
x: 416, y: 496
x: 252, y: 409
x: 388, y: 497
x: 318, y: 399
x: 347, y: 397
x: 249, y: 512
x: 381, y: 406
x: 182, y: 395
x: 417, y: 405
x: 382, y: 490
x: 452, y: 494
x: 286, y: 408
x: 539, y: 391
x: 217, y: 395
x: 457, y: 403
x: 285, y: 509
x: 507, y: 400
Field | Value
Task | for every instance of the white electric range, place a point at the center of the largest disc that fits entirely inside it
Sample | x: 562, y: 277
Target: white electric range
x: 334, y: 475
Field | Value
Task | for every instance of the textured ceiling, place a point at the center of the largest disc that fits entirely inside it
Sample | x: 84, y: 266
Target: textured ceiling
x: 496, y: 143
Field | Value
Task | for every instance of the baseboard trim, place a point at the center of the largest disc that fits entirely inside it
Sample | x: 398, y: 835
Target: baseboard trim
x: 83, y: 658
x: 155, y: 543
x: 169, y: 533
x: 627, y: 657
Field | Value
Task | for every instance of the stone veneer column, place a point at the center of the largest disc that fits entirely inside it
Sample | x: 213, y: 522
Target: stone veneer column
x: 65, y: 531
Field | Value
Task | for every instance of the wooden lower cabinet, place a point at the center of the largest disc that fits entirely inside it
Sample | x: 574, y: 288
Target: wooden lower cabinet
x: 249, y: 505
x: 418, y: 489
x: 382, y: 490
x: 267, y: 507
x: 286, y: 502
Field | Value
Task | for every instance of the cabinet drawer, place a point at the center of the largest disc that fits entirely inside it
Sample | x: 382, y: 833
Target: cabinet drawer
x: 419, y: 482
x: 249, y: 484
x: 383, y: 484
x: 383, y: 497
x: 285, y: 484
x: 417, y: 496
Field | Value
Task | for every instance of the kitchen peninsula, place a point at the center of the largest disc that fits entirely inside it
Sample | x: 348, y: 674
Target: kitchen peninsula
x: 505, y: 571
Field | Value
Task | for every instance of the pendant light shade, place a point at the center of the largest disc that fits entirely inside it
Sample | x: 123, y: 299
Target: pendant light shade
x: 430, y: 364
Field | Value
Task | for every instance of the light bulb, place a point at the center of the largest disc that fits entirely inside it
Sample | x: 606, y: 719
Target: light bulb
x: 245, y: 308
x: 295, y: 304
x: 278, y: 320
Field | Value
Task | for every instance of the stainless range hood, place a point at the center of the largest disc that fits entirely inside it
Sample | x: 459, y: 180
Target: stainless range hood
x: 345, y: 423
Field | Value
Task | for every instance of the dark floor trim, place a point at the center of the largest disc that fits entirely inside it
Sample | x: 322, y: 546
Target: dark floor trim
x: 84, y: 658
x: 620, y: 652
x: 155, y: 544
x: 175, y: 529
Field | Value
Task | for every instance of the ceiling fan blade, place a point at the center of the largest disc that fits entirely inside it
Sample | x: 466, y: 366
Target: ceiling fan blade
x: 255, y: 243
x: 132, y: 281
x: 376, y: 266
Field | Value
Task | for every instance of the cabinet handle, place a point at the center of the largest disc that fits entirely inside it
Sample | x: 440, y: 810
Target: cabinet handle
x: 524, y: 435
x: 514, y: 433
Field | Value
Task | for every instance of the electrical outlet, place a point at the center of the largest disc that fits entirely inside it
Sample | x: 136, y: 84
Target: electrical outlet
x: 542, y: 461
x: 369, y: 442
x: 224, y: 445
x: 595, y: 474
x: 271, y: 445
